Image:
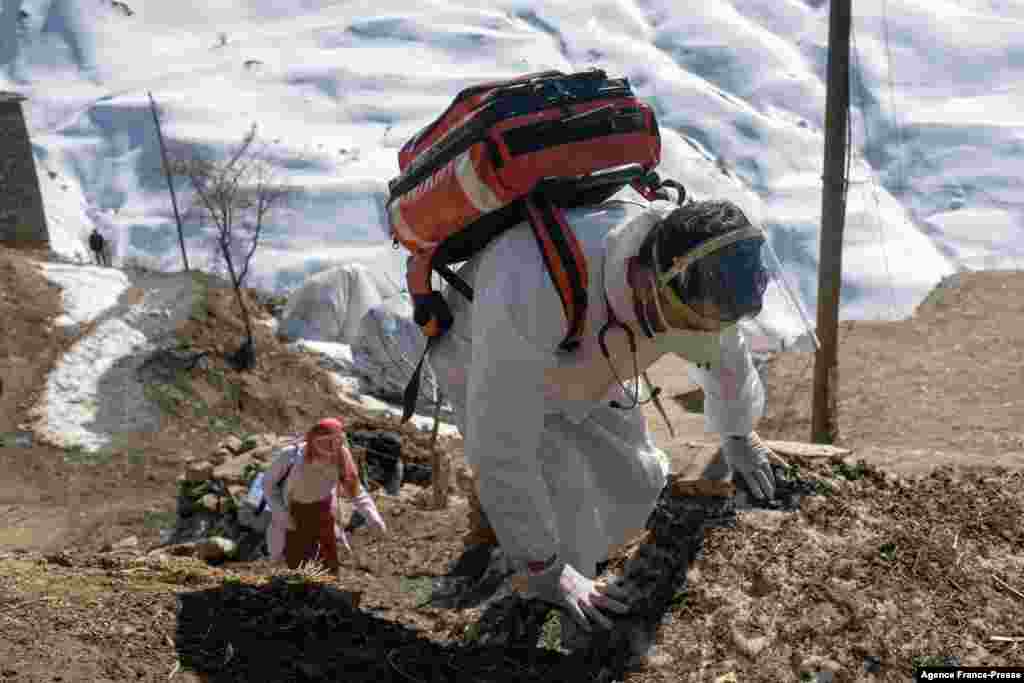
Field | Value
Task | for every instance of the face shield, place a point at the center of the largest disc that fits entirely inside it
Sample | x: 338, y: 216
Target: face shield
x: 723, y: 281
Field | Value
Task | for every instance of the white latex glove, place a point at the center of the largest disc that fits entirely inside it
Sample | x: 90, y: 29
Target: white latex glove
x: 364, y: 504
x: 748, y: 456
x: 563, y: 586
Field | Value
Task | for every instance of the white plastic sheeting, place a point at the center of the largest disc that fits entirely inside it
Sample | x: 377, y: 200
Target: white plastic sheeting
x: 360, y: 326
x: 389, y: 346
x: 330, y: 305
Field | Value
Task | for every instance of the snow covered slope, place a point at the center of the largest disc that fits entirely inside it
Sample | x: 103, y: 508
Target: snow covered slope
x: 738, y: 86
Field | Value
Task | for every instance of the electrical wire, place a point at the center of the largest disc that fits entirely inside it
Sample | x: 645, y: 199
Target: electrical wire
x: 859, y: 73
x: 900, y: 171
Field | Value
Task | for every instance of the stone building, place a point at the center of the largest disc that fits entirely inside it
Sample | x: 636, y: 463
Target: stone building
x: 22, y: 219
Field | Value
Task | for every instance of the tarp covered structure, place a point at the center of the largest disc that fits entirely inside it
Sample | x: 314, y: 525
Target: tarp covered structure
x: 389, y: 346
x: 359, y: 322
x: 330, y: 305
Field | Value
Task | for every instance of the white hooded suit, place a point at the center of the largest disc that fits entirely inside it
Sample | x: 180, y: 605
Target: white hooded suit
x: 559, y: 469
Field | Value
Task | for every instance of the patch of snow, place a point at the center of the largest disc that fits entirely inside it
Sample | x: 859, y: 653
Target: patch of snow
x: 94, y: 392
x: 86, y: 291
x: 73, y: 387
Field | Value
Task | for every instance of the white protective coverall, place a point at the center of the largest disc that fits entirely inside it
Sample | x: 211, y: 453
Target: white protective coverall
x: 559, y: 469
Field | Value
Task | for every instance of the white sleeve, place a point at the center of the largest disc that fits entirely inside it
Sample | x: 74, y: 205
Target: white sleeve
x: 733, y: 394
x: 514, y: 323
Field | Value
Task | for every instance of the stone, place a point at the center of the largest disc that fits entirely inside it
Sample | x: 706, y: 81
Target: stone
x: 660, y: 660
x: 127, y: 543
x: 762, y: 585
x: 872, y: 664
x: 216, y: 549
x: 219, y: 456
x: 826, y: 618
x: 818, y: 665
x: 806, y: 450
x: 233, y: 470
x: 262, y: 453
x: 180, y: 550
x: 751, y: 647
x: 211, y: 502
x: 199, y: 471
x: 157, y: 558
x: 61, y: 558
x: 233, y: 444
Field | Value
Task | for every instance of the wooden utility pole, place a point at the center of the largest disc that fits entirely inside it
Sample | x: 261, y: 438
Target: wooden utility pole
x: 170, y: 185
x: 824, y: 425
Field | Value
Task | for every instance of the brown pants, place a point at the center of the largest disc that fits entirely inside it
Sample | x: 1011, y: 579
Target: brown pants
x: 313, y: 537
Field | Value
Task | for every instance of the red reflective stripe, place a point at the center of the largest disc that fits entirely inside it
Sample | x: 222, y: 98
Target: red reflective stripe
x: 479, y: 192
x: 488, y: 175
x: 436, y: 208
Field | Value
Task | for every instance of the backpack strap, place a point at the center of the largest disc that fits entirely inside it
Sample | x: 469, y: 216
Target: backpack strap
x: 280, y: 482
x: 566, y: 264
x: 412, y: 389
x: 563, y: 258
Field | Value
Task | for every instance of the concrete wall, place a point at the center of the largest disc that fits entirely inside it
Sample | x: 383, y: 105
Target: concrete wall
x: 22, y: 219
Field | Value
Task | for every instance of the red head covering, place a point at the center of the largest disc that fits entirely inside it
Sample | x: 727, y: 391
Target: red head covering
x: 327, y: 427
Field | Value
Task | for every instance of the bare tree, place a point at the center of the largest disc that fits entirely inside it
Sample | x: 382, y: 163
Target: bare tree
x: 235, y: 198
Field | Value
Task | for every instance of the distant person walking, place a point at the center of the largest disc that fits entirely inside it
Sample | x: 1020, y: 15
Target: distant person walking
x: 98, y: 244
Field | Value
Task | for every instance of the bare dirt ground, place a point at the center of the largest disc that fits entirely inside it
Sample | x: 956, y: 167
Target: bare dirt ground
x: 879, y: 565
x: 945, y: 387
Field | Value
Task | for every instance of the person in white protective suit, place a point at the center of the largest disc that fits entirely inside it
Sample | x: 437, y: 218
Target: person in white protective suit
x: 565, y: 464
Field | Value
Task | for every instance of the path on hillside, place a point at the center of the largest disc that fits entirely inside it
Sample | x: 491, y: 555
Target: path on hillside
x: 114, y: 319
x: 95, y: 391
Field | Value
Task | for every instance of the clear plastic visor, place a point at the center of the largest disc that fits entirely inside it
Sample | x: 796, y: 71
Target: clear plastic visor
x: 726, y: 279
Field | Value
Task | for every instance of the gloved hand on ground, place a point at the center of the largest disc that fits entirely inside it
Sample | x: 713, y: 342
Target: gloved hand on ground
x: 752, y: 459
x: 561, y: 585
x: 363, y: 504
